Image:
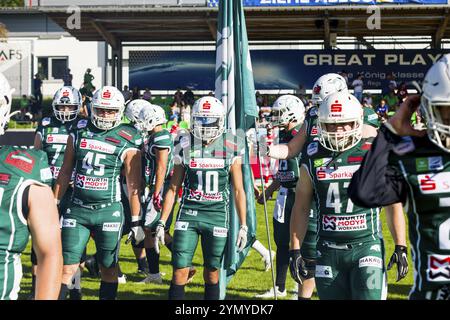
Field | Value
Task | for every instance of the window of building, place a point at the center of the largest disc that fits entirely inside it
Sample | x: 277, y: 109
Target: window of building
x: 52, y: 68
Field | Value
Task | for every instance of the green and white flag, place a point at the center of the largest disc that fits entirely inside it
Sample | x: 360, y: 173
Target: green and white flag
x: 236, y: 89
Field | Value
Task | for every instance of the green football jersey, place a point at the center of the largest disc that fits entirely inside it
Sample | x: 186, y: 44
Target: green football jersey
x: 19, y: 168
x: 158, y: 140
x: 339, y: 220
x: 426, y: 169
x: 206, y: 190
x: 99, y: 155
x: 371, y: 117
x: 53, y: 134
x: 288, y: 170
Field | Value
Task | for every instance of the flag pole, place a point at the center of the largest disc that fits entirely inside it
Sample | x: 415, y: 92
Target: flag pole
x: 265, y: 210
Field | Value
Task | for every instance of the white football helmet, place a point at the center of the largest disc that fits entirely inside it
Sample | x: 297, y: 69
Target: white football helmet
x: 133, y: 110
x: 435, y: 104
x: 5, y: 102
x: 207, y: 118
x: 287, y: 109
x: 151, y: 117
x: 327, y: 84
x: 107, y: 99
x: 338, y: 108
x: 67, y: 96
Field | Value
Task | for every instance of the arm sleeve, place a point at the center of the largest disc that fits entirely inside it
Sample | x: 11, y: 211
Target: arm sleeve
x: 377, y: 182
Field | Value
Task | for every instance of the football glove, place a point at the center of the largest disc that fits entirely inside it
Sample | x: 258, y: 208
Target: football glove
x: 297, y: 266
x: 159, y: 234
x: 400, y: 257
x: 157, y: 201
x: 137, y: 232
x: 242, y: 238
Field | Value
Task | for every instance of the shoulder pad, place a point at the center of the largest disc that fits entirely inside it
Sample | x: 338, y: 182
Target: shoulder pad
x: 405, y: 146
x: 126, y: 134
x: 82, y: 123
x: 312, y: 148
x: 46, y: 121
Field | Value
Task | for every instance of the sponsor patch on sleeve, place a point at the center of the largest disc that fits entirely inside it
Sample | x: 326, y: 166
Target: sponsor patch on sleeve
x: 324, y: 272
x: 313, y: 147
x: 46, y: 121
x: 82, y: 123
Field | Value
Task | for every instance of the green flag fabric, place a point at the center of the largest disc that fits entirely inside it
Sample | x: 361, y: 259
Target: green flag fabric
x: 235, y: 88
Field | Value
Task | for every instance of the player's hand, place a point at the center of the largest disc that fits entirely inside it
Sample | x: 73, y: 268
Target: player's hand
x: 400, y: 257
x: 159, y: 234
x: 261, y: 197
x: 242, y: 238
x: 256, y: 191
x: 297, y: 266
x: 157, y: 201
x: 137, y: 232
x: 400, y: 123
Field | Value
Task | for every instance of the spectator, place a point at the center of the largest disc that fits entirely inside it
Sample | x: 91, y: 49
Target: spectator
x: 88, y: 78
x: 390, y: 84
x: 402, y: 92
x: 382, y: 110
x: 135, y: 93
x: 344, y: 75
x: 391, y: 100
x: 211, y: 94
x: 174, y: 112
x: 178, y: 97
x: 300, y: 92
x: 357, y: 85
x: 188, y: 97
x: 36, y: 110
x: 37, y: 85
x: 259, y: 99
x: 67, y: 78
x: 24, y: 104
x: 186, y: 113
x: 147, y: 95
x: 367, y: 100
x: 126, y: 93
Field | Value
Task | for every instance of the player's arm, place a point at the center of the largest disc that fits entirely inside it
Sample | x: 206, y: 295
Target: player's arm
x: 293, y: 148
x: 38, y: 141
x: 45, y: 231
x: 275, y: 185
x: 240, y: 201
x: 395, y: 220
x: 301, y: 209
x: 175, y: 184
x: 65, y: 174
x: 299, y: 225
x: 162, y: 158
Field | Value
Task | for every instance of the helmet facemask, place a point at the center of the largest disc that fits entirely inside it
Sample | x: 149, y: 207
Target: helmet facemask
x: 107, y: 122
x: 66, y: 115
x: 340, y: 140
x: 207, y: 128
x: 437, y: 116
x: 5, y: 108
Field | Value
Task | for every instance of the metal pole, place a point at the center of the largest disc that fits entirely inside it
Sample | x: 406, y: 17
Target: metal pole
x: 265, y: 209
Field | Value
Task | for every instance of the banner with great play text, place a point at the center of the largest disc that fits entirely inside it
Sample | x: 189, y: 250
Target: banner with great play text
x: 299, y: 3
x: 234, y: 86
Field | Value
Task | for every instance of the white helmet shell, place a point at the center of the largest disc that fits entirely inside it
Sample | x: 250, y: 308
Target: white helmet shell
x: 339, y: 108
x: 151, y: 116
x: 207, y: 118
x: 67, y: 96
x: 133, y: 110
x: 287, y: 109
x: 436, y: 97
x: 5, y: 102
x: 107, y: 98
x: 327, y: 84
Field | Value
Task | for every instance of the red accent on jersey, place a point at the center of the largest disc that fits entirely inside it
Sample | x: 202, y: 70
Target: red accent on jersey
x: 83, y: 143
x: 427, y: 184
x: 125, y: 134
x: 294, y: 132
x: 21, y: 160
x: 231, y: 145
x: 221, y: 154
x: 112, y: 140
x: 314, y: 131
x: 321, y: 174
x: 193, y: 164
x: 366, y: 146
x: 4, y: 178
x: 354, y: 159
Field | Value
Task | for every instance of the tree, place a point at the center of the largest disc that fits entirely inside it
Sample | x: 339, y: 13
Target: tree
x: 12, y: 3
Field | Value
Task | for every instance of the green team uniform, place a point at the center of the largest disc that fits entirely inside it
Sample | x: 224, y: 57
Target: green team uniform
x: 371, y: 117
x: 350, y: 257
x: 96, y: 202
x: 205, y: 201
x: 287, y: 175
x: 426, y: 170
x: 54, y: 134
x: 19, y: 168
x: 159, y: 140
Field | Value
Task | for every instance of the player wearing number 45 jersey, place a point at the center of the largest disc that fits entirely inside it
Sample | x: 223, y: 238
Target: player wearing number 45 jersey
x: 204, y: 160
x: 414, y: 167
x: 26, y: 206
x: 97, y: 149
x: 350, y: 251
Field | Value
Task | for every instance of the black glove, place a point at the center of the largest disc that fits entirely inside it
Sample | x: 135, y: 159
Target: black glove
x: 400, y: 257
x: 297, y: 266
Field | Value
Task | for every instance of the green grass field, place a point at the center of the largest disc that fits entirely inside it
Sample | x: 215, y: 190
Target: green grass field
x: 249, y: 280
